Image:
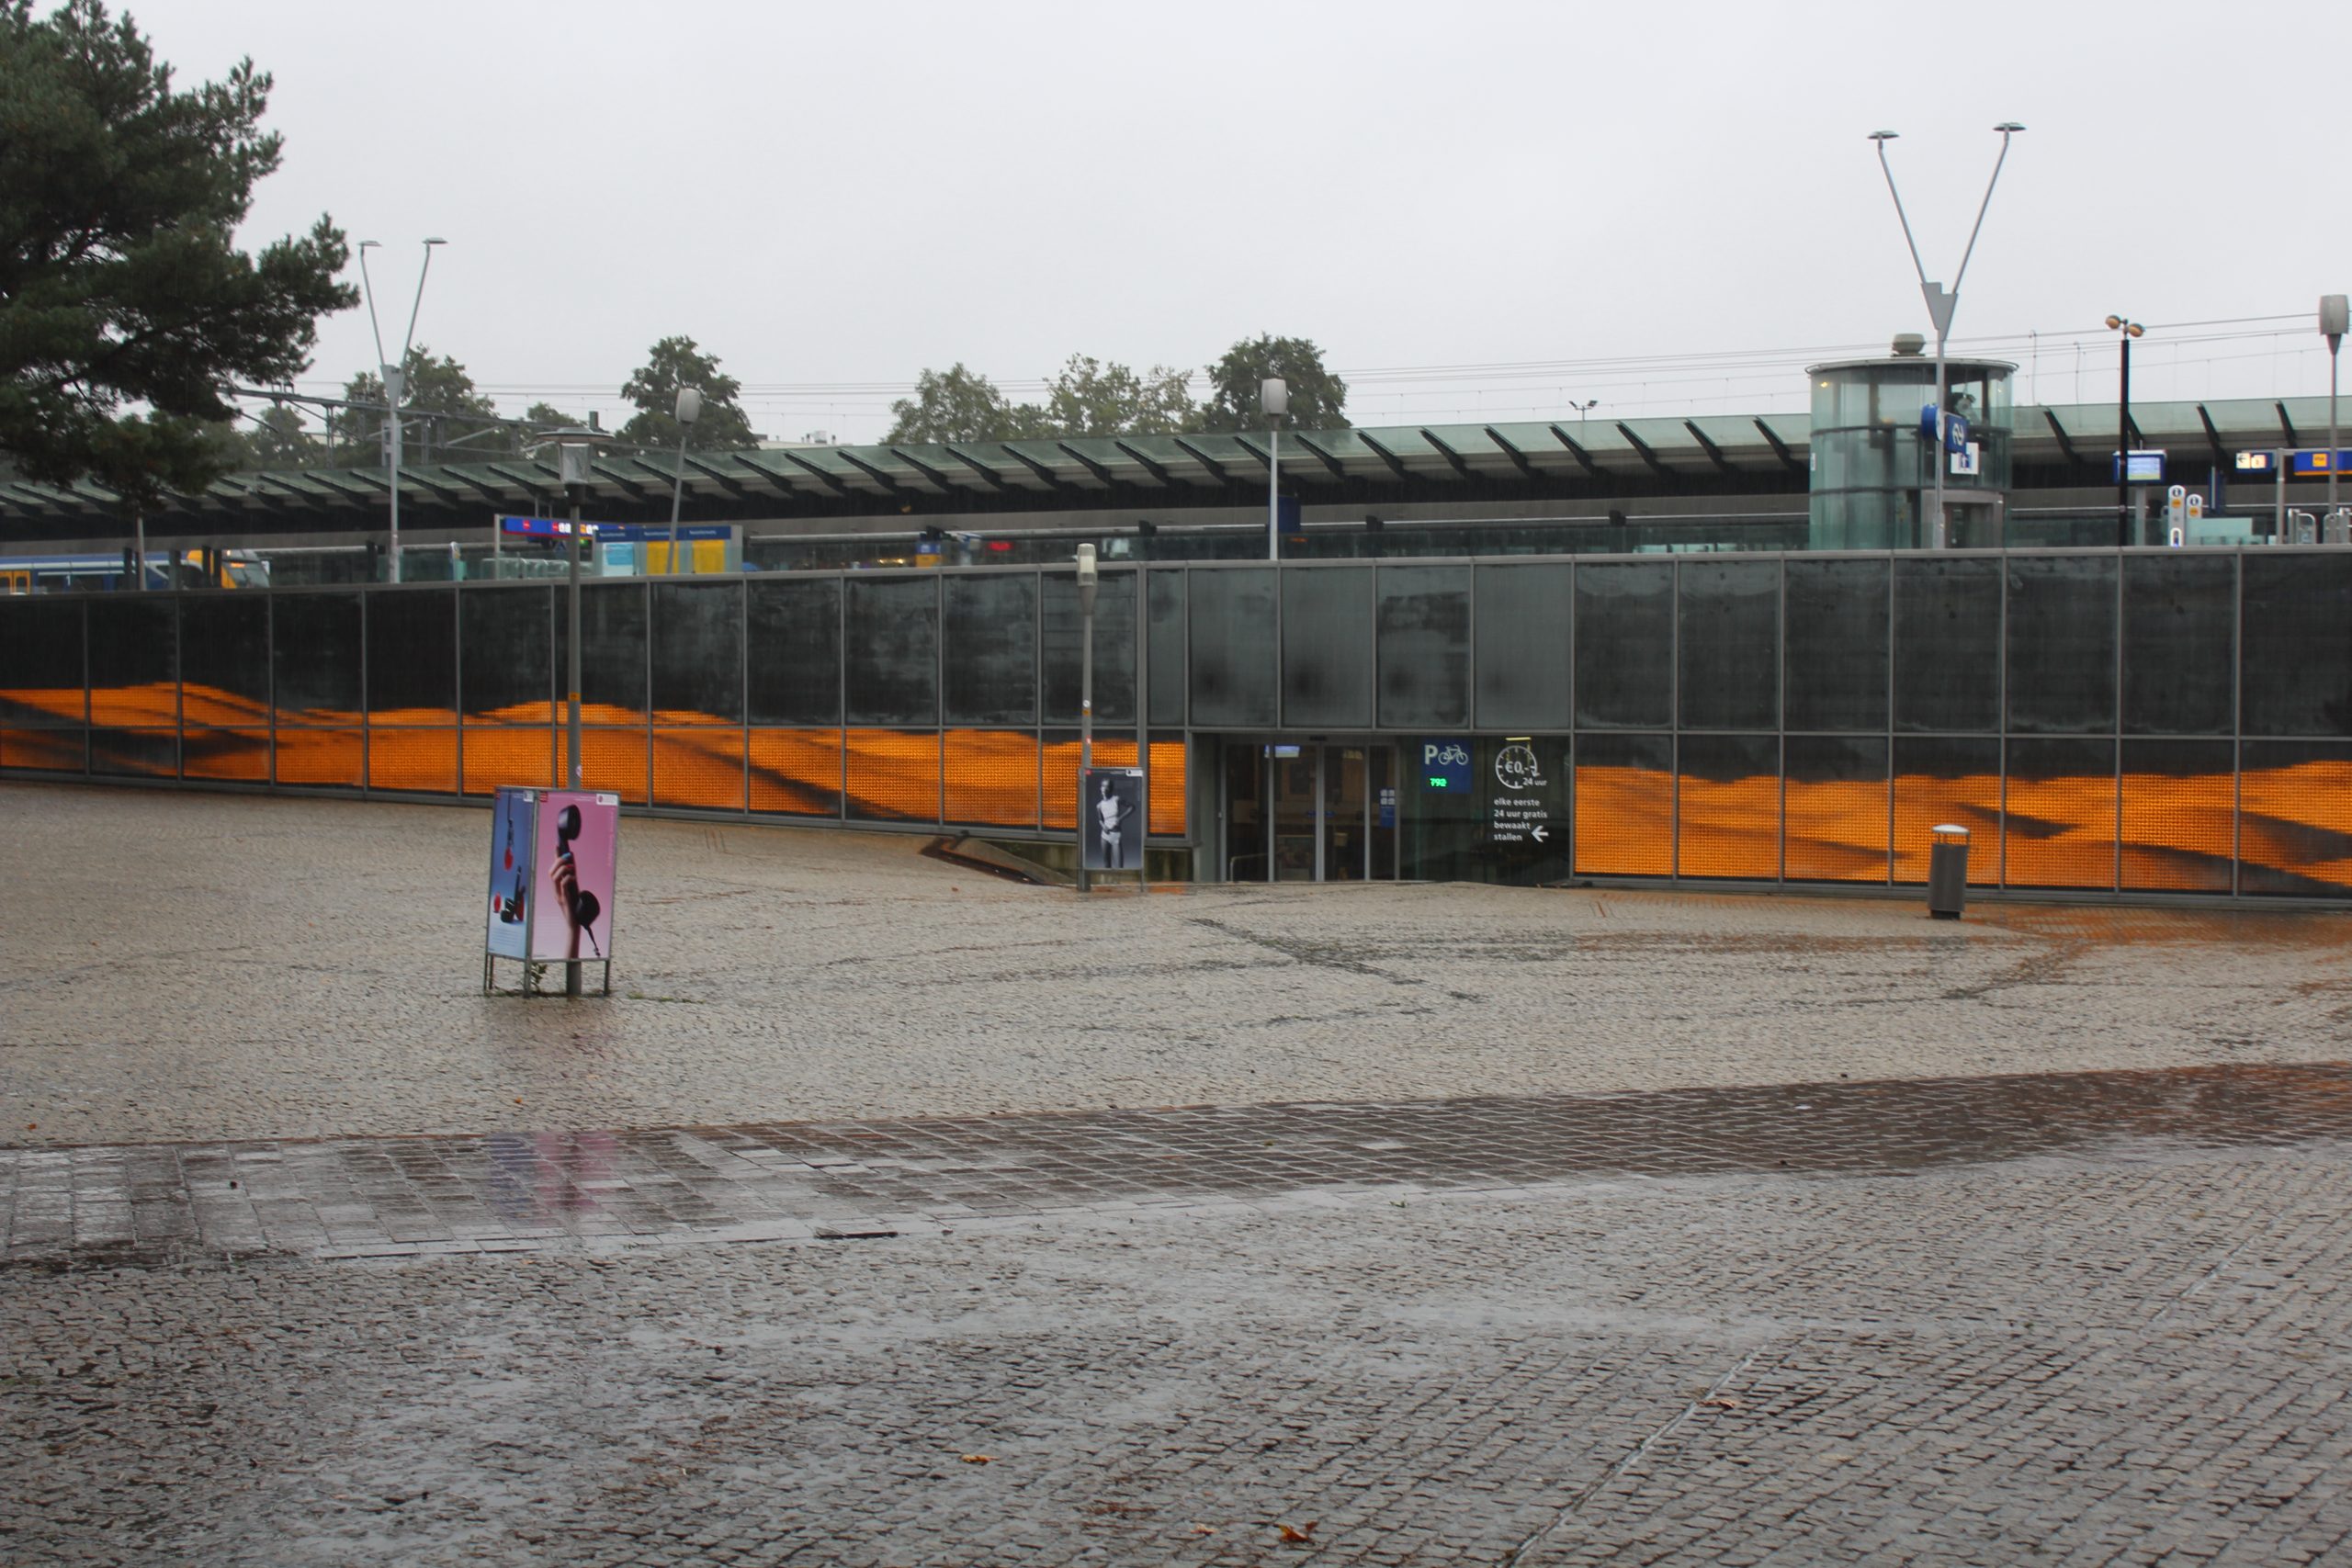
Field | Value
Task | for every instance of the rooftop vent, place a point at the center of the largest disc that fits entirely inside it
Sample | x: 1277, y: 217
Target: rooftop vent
x: 1910, y: 344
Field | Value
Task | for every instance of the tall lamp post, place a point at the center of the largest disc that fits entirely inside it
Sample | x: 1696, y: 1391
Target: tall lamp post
x: 689, y: 410
x: 1086, y: 584
x: 2125, y: 329
x: 1273, y: 396
x: 2332, y: 323
x: 395, y: 379
x: 1941, y: 301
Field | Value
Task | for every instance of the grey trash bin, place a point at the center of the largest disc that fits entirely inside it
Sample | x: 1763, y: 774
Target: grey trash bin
x: 1948, y: 872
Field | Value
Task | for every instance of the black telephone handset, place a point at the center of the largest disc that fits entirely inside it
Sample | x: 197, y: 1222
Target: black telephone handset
x: 585, y: 905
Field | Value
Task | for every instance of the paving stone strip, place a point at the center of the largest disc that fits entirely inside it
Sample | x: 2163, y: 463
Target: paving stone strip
x: 506, y: 1191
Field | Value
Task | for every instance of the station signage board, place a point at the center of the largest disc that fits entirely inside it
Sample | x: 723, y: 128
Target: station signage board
x: 558, y: 528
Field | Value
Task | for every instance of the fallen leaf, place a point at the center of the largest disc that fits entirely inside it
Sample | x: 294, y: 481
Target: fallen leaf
x: 1302, y: 1536
x: 1205, y: 1530
x: 1723, y: 1402
x: 976, y: 1459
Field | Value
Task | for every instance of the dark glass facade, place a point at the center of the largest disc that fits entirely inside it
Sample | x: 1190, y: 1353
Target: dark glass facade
x: 2137, y: 722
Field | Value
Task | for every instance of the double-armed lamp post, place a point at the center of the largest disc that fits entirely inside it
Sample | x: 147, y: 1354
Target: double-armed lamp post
x: 395, y: 381
x: 1940, y: 304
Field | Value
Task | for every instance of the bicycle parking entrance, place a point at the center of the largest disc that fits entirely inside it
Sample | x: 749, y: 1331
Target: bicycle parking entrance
x: 1319, y: 810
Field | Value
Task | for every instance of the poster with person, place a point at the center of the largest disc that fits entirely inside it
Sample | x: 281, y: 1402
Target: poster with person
x: 1111, y: 819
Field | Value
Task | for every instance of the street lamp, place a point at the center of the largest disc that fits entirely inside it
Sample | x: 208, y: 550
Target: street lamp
x: 1584, y: 407
x: 1086, y: 585
x: 1940, y: 301
x: 689, y: 410
x: 2332, y: 323
x: 1273, y: 396
x: 395, y: 377
x: 2125, y: 329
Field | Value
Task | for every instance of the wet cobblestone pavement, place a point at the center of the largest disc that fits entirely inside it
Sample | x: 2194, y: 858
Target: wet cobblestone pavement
x: 390, y: 1197
x: 869, y: 1224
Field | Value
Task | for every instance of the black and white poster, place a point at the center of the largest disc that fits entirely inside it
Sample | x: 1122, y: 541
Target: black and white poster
x: 1110, y: 818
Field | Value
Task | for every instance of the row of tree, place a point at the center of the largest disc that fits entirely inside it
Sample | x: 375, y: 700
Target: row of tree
x: 1090, y: 397
x: 448, y: 419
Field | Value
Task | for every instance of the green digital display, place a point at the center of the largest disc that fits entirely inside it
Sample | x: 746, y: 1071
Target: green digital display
x: 1437, y: 780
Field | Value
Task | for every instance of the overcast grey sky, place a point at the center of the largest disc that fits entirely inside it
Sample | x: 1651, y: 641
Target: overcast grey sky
x: 1668, y: 207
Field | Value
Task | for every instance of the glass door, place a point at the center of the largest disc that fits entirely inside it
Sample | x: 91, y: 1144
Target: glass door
x: 1297, y: 793
x: 1345, y: 820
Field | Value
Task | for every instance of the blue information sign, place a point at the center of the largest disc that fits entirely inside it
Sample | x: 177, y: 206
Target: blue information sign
x: 1445, y: 764
x: 557, y: 528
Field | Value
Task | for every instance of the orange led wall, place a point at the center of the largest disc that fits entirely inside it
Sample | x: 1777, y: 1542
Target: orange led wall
x: 2179, y: 815
x: 894, y: 775
x: 1939, y: 781
x: 522, y: 758
x: 50, y: 750
x: 1836, y: 802
x: 2058, y: 819
x: 424, y: 760
x: 702, y: 768
x: 1728, y: 800
x: 2295, y: 817
x: 797, y: 771
x: 1624, y: 805
x: 993, y: 777
x: 612, y: 762
x: 319, y: 759
x: 238, y: 755
x: 155, y: 703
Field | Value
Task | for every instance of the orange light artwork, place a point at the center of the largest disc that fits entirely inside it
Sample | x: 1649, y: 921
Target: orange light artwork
x: 155, y: 703
x: 1624, y: 821
x: 1836, y: 830
x: 2060, y: 833
x: 700, y: 768
x: 1925, y: 801
x: 2291, y: 816
x: 240, y: 755
x: 894, y: 775
x: 423, y: 762
x: 212, y: 708
x: 521, y: 757
x: 47, y: 750
x: 43, y: 704
x: 1730, y: 827
x: 797, y: 771
x: 993, y: 777
x: 318, y: 758
x: 612, y: 762
x: 2179, y: 831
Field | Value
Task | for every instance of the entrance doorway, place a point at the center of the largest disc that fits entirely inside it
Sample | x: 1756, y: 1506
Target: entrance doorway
x: 1316, y: 811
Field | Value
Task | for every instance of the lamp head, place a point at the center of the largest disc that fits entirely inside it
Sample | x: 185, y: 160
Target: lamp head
x: 1273, y: 396
x: 434, y: 240
x: 689, y: 405
x: 370, y: 244
x: 2135, y: 328
x: 1086, y: 573
x: 2114, y: 321
x: 2008, y: 126
x: 1883, y: 136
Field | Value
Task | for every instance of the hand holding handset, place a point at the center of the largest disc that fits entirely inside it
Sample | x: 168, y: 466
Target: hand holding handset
x: 583, y: 904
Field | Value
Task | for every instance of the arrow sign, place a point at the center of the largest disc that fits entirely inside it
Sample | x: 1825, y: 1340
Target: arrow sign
x: 1538, y: 833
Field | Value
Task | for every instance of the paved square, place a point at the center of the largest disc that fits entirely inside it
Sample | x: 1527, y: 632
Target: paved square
x: 892, y: 1214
